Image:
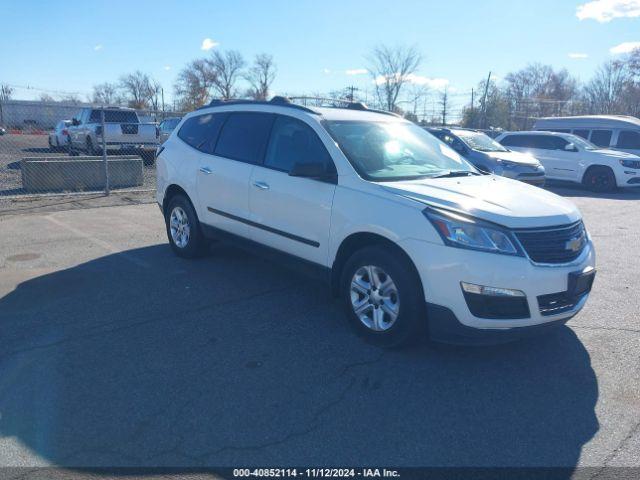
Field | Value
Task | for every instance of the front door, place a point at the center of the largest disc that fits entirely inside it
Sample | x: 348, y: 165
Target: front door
x: 288, y: 213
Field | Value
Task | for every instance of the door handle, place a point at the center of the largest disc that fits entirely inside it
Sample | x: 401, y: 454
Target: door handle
x: 206, y: 170
x: 261, y: 185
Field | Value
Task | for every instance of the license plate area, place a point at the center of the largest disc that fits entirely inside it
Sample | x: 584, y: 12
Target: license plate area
x: 580, y: 282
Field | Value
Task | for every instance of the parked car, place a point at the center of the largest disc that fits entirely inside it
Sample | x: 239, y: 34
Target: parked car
x: 124, y: 133
x: 2, y: 131
x: 167, y: 126
x: 571, y: 158
x: 58, y: 137
x: 618, y: 132
x: 489, y: 156
x: 412, y: 236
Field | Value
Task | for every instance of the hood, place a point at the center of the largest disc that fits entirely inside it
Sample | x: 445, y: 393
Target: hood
x: 492, y: 198
x: 517, y: 157
x: 615, y: 154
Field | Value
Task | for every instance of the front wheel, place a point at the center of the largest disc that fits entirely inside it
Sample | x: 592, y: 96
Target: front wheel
x: 600, y: 179
x: 382, y: 297
x: 183, y: 228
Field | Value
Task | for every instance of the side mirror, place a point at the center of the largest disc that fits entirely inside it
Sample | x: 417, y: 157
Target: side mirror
x: 316, y: 170
x: 75, y: 122
x: 570, y: 147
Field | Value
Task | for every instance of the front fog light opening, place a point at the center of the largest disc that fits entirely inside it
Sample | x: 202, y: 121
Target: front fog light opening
x: 491, y: 291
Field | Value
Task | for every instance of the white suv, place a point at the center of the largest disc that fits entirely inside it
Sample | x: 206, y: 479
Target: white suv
x: 413, y: 237
x: 571, y: 158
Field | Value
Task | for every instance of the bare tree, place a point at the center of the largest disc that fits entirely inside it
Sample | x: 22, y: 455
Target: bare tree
x: 194, y: 84
x: 415, y: 96
x: 390, y: 68
x: 46, y: 98
x: 261, y: 75
x: 139, y: 89
x: 5, y: 92
x: 604, y: 92
x: 227, y: 68
x: 105, y: 94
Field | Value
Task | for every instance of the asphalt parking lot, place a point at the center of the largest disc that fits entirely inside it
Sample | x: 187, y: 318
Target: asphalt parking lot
x: 115, y: 352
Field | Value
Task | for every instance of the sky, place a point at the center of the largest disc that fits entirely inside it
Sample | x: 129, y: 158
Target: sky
x: 68, y: 46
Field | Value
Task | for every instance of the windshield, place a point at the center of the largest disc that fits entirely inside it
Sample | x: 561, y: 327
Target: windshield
x: 580, y: 142
x: 479, y: 141
x: 387, y: 151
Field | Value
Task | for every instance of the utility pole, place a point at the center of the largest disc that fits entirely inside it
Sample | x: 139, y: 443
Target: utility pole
x: 473, y: 115
x: 162, y: 96
x: 484, y: 102
x: 351, y: 92
x: 444, y: 107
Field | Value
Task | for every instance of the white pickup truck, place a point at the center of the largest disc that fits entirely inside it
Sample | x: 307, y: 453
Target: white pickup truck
x: 123, y: 133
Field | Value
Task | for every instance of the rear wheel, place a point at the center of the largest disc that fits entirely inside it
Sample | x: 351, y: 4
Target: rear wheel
x: 600, y: 179
x: 91, y: 150
x: 183, y: 228
x: 382, y: 297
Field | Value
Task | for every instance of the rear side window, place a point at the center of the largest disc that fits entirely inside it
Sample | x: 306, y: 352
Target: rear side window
x: 520, y: 141
x: 114, y: 116
x: 629, y: 139
x: 601, y: 138
x: 293, y: 141
x: 201, y: 132
x: 244, y: 136
x: 582, y: 133
x: 511, y: 141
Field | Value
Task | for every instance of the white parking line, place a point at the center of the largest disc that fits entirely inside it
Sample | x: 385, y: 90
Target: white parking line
x: 101, y: 243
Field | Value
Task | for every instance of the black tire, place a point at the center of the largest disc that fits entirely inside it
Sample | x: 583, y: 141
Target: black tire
x: 70, y: 149
x: 410, y: 323
x: 148, y: 158
x: 600, y: 179
x: 91, y: 150
x: 196, y: 244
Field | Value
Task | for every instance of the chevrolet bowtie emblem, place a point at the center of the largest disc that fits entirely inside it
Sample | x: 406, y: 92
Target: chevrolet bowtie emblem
x: 575, y: 244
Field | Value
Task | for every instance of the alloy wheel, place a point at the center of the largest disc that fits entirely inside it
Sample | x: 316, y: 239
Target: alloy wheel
x: 374, y: 298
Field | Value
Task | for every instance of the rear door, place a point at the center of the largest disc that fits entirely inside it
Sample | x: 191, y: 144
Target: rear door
x: 288, y: 213
x: 233, y: 145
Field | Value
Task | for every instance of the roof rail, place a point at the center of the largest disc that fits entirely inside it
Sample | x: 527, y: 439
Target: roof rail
x: 277, y: 100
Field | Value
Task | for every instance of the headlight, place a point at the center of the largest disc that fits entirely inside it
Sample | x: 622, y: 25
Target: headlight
x: 462, y: 232
x: 630, y: 163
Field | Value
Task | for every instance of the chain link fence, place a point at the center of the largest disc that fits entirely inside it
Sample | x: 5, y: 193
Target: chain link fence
x: 50, y: 150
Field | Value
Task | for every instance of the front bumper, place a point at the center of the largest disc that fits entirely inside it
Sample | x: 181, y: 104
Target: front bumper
x: 442, y: 268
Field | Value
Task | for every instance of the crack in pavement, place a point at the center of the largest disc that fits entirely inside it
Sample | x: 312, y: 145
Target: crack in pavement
x: 635, y: 429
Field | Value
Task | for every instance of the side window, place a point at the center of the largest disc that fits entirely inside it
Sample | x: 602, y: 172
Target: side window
x: 536, y: 141
x: 601, y: 138
x: 294, y: 141
x: 556, y: 143
x: 95, y: 116
x: 201, y: 132
x: 582, y: 133
x: 511, y: 141
x: 629, y: 139
x: 244, y: 136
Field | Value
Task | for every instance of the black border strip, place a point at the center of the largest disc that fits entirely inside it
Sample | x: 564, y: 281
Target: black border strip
x: 290, y: 236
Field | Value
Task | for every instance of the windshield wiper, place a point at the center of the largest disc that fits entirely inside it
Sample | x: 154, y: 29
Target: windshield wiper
x: 455, y: 173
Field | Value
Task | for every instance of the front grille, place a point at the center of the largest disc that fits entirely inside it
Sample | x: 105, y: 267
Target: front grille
x: 554, y: 245
x: 555, y: 303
